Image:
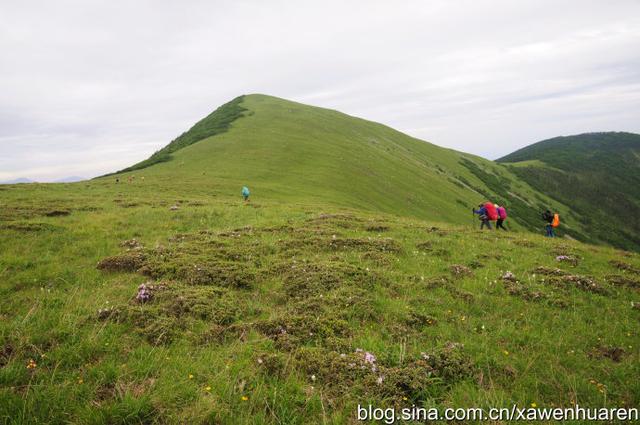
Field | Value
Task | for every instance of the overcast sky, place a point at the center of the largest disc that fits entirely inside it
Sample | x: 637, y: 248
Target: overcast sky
x: 89, y: 87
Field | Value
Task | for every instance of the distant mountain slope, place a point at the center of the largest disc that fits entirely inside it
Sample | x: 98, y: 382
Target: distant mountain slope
x: 19, y: 180
x: 70, y: 179
x: 290, y: 152
x: 596, y: 174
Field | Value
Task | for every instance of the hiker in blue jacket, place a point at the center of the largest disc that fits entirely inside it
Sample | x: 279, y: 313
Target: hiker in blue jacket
x: 245, y: 193
x: 484, y: 218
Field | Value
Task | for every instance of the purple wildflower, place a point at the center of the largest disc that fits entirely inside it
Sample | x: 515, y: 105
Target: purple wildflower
x: 370, y: 359
x: 144, y: 294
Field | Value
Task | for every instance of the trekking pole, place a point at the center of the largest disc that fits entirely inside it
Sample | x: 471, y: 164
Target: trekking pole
x: 473, y: 219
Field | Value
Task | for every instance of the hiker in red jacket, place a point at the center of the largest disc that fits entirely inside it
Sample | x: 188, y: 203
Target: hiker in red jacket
x: 502, y: 216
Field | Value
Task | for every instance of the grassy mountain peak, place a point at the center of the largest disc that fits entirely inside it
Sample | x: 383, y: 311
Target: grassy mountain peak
x: 294, y: 152
x: 216, y: 122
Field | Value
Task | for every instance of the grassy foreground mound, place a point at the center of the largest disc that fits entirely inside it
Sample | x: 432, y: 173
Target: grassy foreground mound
x: 272, y: 312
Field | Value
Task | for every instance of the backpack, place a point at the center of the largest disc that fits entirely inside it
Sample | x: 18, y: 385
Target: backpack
x: 492, y: 214
x: 556, y: 220
x: 502, y: 212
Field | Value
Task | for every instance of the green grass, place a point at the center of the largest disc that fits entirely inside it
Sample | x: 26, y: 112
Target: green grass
x: 360, y: 280
x: 254, y: 303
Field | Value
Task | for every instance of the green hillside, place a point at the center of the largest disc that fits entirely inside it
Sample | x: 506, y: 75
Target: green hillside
x: 596, y: 174
x: 355, y: 275
x: 298, y: 153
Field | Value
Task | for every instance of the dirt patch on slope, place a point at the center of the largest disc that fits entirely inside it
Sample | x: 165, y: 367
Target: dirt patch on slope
x: 122, y: 263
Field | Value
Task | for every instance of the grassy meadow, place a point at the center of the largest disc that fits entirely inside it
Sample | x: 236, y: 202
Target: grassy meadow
x: 258, y: 309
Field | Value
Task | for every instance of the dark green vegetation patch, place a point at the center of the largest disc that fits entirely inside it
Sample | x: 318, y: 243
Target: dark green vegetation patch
x: 596, y: 174
x: 215, y: 123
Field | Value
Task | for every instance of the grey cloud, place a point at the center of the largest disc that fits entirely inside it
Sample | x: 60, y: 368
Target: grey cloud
x: 93, y: 86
